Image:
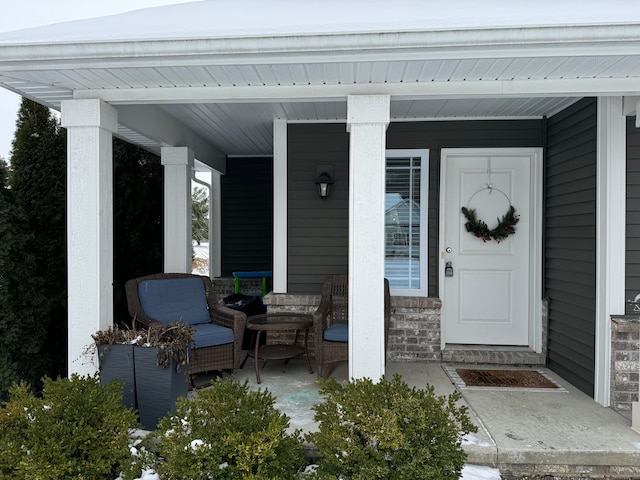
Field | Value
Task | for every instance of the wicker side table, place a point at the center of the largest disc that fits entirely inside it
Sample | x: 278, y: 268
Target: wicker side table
x: 279, y: 322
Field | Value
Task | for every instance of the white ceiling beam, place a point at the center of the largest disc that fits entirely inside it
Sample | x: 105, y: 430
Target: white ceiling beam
x: 414, y: 90
x: 153, y: 123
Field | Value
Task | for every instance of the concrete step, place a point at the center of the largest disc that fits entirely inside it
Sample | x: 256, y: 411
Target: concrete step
x: 491, y: 354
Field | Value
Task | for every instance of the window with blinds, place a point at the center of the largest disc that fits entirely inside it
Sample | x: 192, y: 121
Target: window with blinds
x: 406, y: 197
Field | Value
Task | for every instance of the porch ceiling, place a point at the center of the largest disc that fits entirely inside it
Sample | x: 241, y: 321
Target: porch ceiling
x: 208, y: 99
x: 246, y: 128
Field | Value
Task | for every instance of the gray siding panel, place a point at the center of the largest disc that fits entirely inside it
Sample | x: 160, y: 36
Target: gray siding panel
x: 247, y: 215
x: 570, y: 242
x: 318, y: 231
x: 632, y: 287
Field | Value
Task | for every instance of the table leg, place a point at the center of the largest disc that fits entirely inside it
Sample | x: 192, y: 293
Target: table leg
x: 255, y: 357
x: 251, y: 344
x: 306, y: 351
x: 295, y: 340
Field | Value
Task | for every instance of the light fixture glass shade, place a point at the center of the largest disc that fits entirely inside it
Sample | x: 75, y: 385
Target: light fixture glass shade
x: 323, y: 184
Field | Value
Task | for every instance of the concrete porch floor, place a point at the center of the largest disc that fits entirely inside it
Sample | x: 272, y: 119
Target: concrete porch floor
x: 525, y: 434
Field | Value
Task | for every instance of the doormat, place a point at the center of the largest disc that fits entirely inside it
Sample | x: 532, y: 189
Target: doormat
x: 502, y: 379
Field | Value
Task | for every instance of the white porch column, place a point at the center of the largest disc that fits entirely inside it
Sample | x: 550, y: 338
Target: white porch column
x: 178, y: 163
x: 280, y: 210
x: 610, y: 235
x: 89, y: 124
x: 367, y: 121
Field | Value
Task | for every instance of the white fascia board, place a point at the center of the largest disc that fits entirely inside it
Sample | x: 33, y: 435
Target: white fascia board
x: 529, y: 42
x: 431, y: 90
x: 153, y: 123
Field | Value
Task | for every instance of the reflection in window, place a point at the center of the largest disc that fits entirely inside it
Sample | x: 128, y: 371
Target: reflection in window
x: 405, y: 221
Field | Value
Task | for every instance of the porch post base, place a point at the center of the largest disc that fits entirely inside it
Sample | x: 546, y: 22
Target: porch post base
x: 635, y: 416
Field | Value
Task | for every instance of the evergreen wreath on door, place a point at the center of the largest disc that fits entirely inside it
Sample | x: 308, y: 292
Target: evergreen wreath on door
x: 478, y: 228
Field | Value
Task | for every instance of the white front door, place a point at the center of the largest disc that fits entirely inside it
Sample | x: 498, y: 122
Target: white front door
x: 488, y: 294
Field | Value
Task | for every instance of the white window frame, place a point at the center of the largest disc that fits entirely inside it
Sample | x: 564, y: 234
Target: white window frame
x: 424, y: 217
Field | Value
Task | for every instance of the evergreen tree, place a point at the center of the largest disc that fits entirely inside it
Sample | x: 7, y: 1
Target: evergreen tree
x: 10, y: 328
x: 39, y: 289
x: 138, y: 231
x: 200, y: 214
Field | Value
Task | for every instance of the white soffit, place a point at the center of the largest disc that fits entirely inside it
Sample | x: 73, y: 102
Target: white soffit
x: 331, y: 73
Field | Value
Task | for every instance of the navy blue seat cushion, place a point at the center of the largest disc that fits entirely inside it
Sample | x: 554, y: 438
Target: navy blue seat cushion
x: 210, y: 334
x: 175, y: 299
x: 338, y: 332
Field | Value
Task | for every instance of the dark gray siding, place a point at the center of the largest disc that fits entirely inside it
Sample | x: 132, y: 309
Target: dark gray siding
x: 318, y: 232
x: 633, y: 212
x: 247, y: 215
x: 570, y: 242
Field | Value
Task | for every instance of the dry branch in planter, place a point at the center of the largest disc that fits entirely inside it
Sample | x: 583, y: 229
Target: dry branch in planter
x: 172, y: 340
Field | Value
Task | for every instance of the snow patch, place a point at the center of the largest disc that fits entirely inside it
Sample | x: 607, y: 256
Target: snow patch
x: 257, y: 18
x: 479, y: 472
x: 471, y: 439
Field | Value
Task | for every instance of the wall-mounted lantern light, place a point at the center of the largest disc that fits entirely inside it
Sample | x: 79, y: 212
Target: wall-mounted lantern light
x: 323, y: 184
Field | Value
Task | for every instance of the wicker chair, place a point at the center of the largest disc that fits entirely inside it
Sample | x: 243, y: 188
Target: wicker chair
x: 208, y: 318
x: 331, y: 319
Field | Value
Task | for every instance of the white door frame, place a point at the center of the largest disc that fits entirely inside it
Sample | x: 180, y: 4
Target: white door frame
x: 535, y: 235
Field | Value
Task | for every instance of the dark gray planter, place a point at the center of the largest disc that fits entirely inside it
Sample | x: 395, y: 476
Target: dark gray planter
x: 157, y: 388
x: 117, y: 363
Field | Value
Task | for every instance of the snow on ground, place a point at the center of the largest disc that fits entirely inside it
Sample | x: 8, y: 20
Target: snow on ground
x: 478, y: 472
x: 149, y: 475
x: 471, y: 439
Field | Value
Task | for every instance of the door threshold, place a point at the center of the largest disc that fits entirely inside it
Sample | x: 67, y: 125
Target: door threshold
x: 492, y: 355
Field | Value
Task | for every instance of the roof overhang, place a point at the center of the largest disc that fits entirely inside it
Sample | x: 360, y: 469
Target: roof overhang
x: 220, y: 95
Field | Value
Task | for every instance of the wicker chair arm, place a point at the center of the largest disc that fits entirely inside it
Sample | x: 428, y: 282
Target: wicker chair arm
x: 322, y: 313
x: 321, y: 319
x: 230, y: 318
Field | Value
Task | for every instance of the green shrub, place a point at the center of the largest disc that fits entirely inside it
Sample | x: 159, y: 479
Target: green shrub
x: 388, y: 431
x: 227, y: 432
x: 77, y: 430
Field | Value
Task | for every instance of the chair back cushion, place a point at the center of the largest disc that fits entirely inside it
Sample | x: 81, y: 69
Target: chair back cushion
x: 338, y: 332
x: 175, y: 299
